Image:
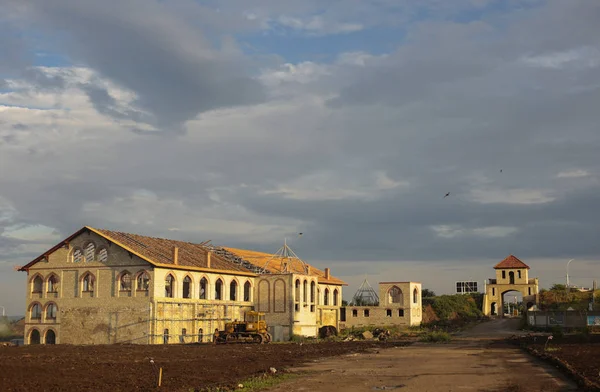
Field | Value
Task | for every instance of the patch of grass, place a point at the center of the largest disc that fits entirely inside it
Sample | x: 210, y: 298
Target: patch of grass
x: 436, y: 337
x: 256, y: 383
x: 551, y: 349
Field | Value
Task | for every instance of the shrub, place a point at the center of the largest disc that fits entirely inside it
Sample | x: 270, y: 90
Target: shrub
x: 436, y: 337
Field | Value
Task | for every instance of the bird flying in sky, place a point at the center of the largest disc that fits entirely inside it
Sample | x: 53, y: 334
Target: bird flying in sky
x: 446, y: 195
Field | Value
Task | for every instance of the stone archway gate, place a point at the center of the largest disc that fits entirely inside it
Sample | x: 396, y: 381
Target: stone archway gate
x: 511, y: 275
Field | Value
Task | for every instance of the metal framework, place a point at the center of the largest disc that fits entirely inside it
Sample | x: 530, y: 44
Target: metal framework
x: 365, y: 295
x: 286, y: 256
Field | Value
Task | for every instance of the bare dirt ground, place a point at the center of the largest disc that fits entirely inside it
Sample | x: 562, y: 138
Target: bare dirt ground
x: 186, y: 367
x: 478, y: 360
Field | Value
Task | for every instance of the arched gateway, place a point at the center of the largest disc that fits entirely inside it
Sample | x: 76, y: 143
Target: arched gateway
x: 511, y: 275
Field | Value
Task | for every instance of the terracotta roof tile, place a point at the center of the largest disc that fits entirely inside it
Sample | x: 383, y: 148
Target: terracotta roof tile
x: 160, y: 250
x: 261, y: 259
x: 511, y: 262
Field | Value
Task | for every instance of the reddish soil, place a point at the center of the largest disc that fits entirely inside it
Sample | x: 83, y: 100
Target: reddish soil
x: 128, y: 367
x: 577, y: 355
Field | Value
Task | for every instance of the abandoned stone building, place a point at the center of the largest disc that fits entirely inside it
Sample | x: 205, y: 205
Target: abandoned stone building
x: 512, y: 275
x: 398, y: 303
x: 102, y: 287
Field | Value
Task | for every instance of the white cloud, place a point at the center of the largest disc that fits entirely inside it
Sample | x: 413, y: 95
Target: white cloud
x: 577, y: 173
x: 511, y: 196
x: 315, y: 25
x: 586, y: 57
x: 456, y: 231
x: 331, y: 185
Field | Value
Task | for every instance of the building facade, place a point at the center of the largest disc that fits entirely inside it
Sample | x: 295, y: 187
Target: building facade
x: 511, y: 275
x: 105, y: 287
x: 399, y: 304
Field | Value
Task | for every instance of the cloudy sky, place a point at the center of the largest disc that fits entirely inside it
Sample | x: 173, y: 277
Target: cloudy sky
x: 247, y: 121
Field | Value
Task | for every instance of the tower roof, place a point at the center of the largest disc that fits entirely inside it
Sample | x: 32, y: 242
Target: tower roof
x: 511, y: 262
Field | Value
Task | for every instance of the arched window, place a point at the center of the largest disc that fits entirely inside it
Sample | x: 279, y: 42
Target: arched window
x: 233, y: 290
x: 395, y: 295
x: 143, y: 281
x: 90, y: 252
x: 52, y: 285
x: 312, y: 291
x: 200, y: 333
x: 77, y: 255
x: 187, y: 287
x: 34, y: 336
x: 50, y: 337
x: 326, y: 297
x: 103, y: 255
x: 247, y: 288
x: 511, y: 277
x: 87, y: 283
x: 36, y: 311
x: 125, y: 281
x: 38, y: 284
x: 183, y: 335
x: 318, y: 296
x: 297, y: 291
x: 169, y: 286
x: 51, y: 310
x: 166, y: 336
x: 203, y: 288
x: 335, y: 297
x: 219, y: 289
x: 305, y: 291
x: 415, y: 296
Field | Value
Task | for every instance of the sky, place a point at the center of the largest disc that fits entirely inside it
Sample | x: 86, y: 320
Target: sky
x: 246, y: 122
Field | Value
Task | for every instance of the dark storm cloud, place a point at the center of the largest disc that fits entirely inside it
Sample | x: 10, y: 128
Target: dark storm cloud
x: 142, y: 46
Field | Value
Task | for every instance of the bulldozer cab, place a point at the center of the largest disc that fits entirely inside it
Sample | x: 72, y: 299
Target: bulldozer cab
x: 254, y: 317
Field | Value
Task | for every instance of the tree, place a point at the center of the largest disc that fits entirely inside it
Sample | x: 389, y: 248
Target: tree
x: 558, y: 287
x: 426, y: 293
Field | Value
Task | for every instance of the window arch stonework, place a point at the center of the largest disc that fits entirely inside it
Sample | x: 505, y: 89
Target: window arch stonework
x: 89, y: 252
x: 143, y: 281
x: 395, y: 295
x: 170, y: 286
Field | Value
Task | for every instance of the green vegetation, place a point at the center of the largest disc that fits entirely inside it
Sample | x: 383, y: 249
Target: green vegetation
x: 257, y: 383
x: 436, y: 337
x: 458, y: 306
x: 559, y: 298
x: 9, y: 329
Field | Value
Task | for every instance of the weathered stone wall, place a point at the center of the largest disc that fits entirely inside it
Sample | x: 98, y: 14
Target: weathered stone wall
x: 399, y: 304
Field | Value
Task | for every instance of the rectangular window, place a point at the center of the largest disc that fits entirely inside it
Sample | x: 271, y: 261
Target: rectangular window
x: 493, y: 291
x: 503, y: 274
x: 400, y: 312
x: 366, y: 312
x: 388, y: 313
x: 354, y: 313
x: 519, y: 273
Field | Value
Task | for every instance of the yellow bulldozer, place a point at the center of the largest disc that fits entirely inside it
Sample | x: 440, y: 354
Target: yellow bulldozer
x: 252, y: 330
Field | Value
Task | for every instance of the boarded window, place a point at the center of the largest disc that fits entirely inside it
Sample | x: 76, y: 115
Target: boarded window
x: 77, y: 255
x: 90, y: 251
x: 264, y: 296
x: 103, y: 255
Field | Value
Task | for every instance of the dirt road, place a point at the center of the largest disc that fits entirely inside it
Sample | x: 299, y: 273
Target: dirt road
x: 477, y: 360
